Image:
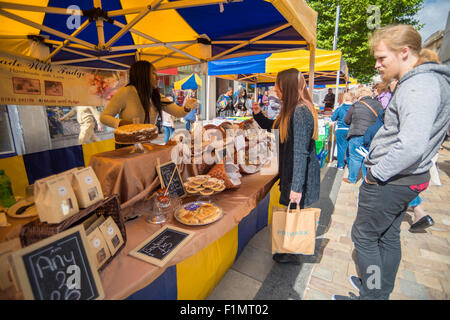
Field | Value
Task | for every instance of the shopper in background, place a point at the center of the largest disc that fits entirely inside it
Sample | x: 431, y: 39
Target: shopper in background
x: 180, y: 98
x: 168, y: 125
x: 360, y: 116
x: 265, y: 101
x: 382, y: 93
x: 224, y: 104
x: 299, y: 168
x: 274, y: 104
x: 87, y: 116
x: 192, y: 116
x: 342, y: 129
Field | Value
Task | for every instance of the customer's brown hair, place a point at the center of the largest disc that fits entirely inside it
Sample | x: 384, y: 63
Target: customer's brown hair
x: 292, y: 84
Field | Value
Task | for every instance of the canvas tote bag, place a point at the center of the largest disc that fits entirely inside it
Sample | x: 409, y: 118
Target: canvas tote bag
x: 294, y: 231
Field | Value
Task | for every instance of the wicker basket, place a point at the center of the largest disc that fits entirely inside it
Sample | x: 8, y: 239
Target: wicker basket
x: 36, y: 230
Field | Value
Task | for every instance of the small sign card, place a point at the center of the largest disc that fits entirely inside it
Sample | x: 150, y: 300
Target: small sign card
x: 168, y: 173
x: 162, y: 246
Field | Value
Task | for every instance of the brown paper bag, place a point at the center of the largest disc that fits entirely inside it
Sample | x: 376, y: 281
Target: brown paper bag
x: 98, y: 247
x: 112, y: 235
x: 86, y: 187
x: 294, y: 231
x: 55, y: 200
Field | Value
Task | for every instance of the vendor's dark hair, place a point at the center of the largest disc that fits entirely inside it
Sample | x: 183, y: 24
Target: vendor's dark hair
x: 140, y: 72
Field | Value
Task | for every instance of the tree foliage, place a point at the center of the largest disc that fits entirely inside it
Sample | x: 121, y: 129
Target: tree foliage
x: 354, y: 29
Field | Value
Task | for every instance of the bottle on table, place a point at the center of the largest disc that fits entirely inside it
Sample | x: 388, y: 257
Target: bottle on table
x: 6, y: 195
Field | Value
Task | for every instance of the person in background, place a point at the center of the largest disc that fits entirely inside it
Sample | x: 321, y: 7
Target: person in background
x: 192, y: 116
x: 274, y: 104
x: 180, y: 98
x: 86, y: 117
x: 382, y: 93
x: 265, y: 101
x: 239, y: 105
x: 140, y: 100
x: 168, y: 125
x: 224, y: 104
x: 361, y: 115
x: 299, y: 168
x: 342, y: 129
x: 329, y: 99
x: 400, y: 154
x: 249, y: 104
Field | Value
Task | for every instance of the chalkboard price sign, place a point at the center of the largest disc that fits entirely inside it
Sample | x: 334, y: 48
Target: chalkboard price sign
x: 166, y: 172
x: 58, y: 268
x: 162, y: 246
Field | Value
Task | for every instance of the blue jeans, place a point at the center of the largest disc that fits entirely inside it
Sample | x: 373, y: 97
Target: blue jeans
x: 342, y: 147
x: 416, y: 201
x: 188, y: 124
x: 169, y: 133
x: 356, y: 160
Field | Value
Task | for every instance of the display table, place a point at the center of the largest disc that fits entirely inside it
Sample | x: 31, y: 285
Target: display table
x: 126, y: 275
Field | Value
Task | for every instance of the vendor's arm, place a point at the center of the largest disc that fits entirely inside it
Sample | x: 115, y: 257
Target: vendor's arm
x: 174, y: 109
x: 114, y: 107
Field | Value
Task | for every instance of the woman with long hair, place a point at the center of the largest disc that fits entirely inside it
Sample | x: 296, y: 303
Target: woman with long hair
x: 140, y: 101
x: 299, y: 168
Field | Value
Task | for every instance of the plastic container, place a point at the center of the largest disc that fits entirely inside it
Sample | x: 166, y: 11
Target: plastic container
x: 6, y: 195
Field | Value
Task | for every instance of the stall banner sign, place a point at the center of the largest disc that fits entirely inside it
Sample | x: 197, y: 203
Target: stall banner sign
x: 31, y: 82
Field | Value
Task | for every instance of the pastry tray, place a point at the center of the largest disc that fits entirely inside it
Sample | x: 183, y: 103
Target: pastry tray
x: 196, y: 224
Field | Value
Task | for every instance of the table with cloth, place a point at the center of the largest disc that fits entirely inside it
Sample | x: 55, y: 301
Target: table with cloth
x: 199, y: 266
x: 132, y: 177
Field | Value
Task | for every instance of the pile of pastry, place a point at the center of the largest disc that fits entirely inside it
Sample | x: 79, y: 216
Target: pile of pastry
x: 198, y: 213
x: 204, y: 185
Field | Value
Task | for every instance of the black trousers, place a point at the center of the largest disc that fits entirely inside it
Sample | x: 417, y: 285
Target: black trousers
x: 376, y: 235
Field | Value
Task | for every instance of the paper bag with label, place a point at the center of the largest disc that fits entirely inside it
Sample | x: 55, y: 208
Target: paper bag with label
x: 69, y: 174
x: 112, y: 235
x: 98, y: 247
x: 56, y: 200
x: 87, y: 187
x: 6, y: 248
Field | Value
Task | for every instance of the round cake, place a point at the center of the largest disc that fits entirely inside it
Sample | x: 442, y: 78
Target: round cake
x: 134, y: 133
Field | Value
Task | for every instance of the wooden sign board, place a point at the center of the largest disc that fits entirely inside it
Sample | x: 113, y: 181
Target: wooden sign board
x: 58, y: 268
x: 162, y: 246
x: 165, y: 173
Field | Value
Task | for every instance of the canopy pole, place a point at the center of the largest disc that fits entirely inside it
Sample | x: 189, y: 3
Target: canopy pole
x: 312, y: 62
x: 74, y: 34
x: 130, y: 25
x: 46, y: 29
x: 99, y: 24
x: 167, y: 45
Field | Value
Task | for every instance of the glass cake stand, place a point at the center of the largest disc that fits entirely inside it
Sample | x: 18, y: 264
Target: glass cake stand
x: 138, y: 147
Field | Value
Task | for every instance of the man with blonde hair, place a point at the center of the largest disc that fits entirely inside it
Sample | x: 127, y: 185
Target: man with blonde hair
x: 399, y: 159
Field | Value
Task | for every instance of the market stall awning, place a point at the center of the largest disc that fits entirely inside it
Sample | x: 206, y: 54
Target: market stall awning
x: 192, y: 81
x: 263, y: 68
x: 168, y: 33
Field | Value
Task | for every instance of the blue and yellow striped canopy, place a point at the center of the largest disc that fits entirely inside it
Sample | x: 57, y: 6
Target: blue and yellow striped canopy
x: 192, y: 81
x: 263, y: 68
x: 168, y: 33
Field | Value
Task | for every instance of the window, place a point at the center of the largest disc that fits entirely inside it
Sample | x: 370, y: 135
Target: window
x: 6, y: 139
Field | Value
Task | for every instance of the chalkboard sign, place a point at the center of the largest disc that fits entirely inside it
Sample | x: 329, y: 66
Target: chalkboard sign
x: 165, y: 172
x: 162, y: 246
x: 58, y: 268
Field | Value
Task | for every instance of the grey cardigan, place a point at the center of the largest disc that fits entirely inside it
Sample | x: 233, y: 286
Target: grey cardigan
x: 298, y: 165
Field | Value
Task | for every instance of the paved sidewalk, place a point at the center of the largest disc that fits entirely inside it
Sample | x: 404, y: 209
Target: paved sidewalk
x: 424, y: 271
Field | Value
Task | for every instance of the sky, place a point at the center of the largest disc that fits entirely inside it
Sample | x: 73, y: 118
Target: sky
x: 434, y: 16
